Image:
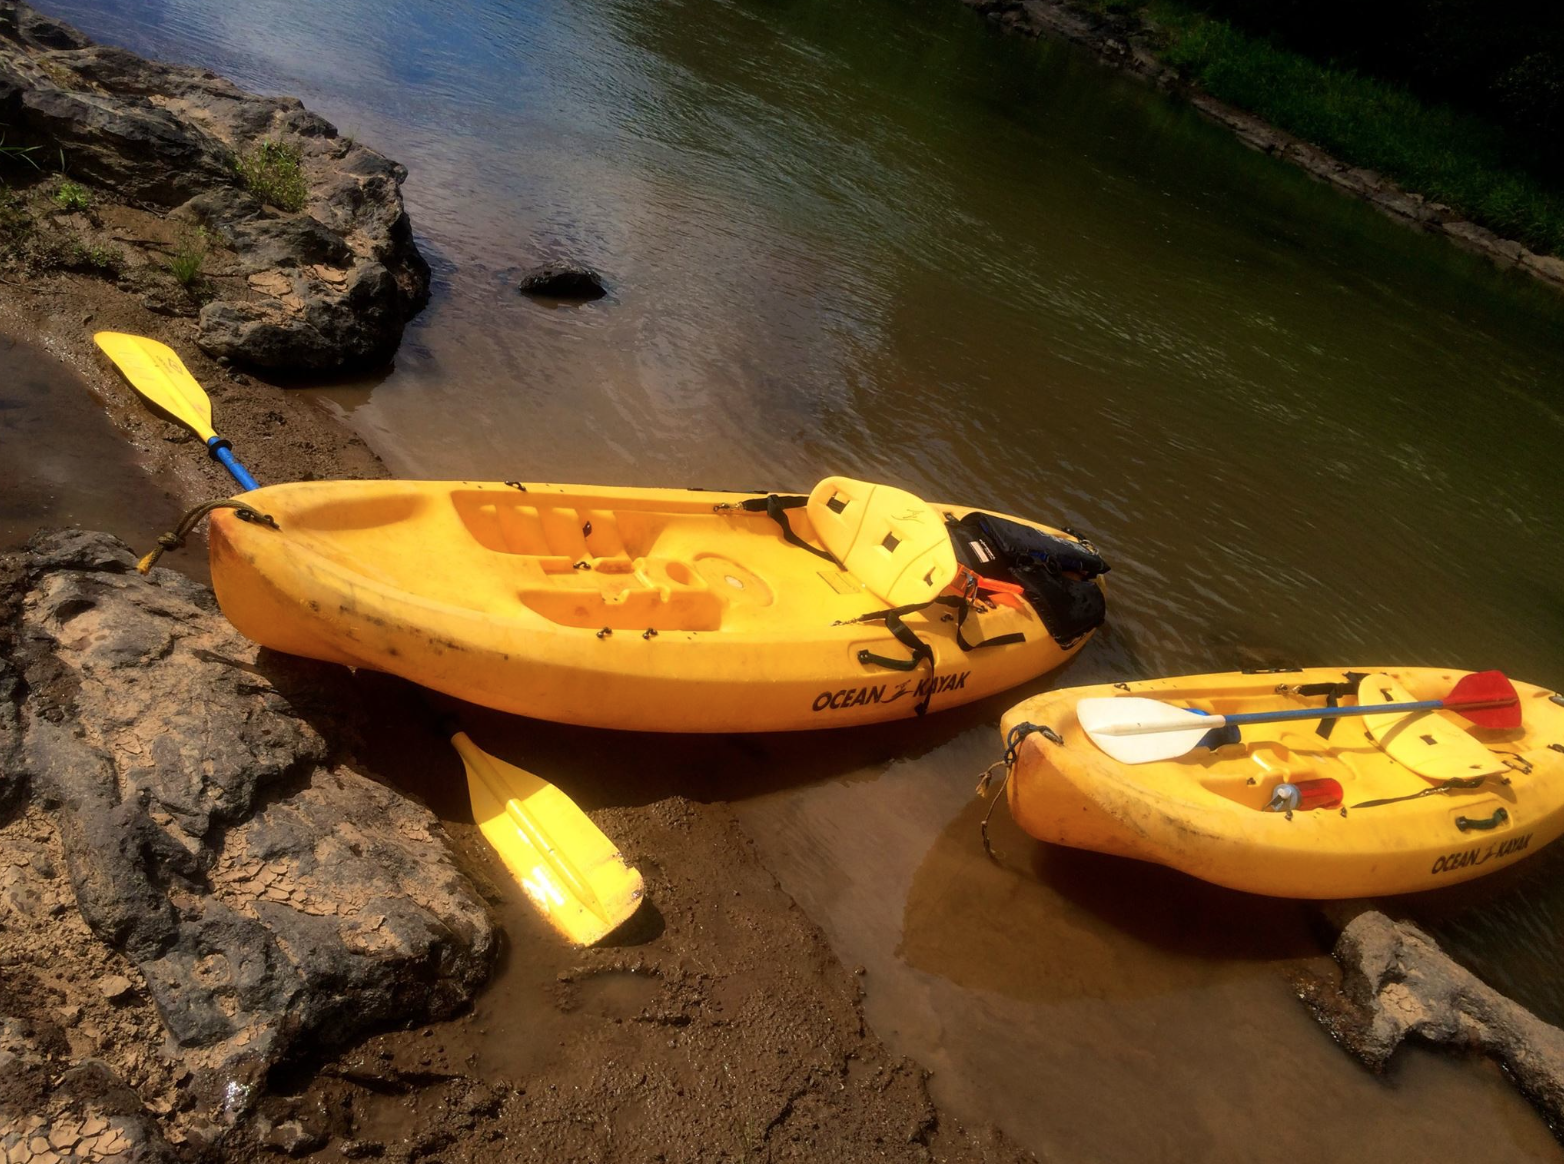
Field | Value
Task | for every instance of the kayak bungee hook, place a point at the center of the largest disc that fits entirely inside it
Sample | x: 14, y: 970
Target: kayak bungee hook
x: 175, y: 539
x: 1013, y: 742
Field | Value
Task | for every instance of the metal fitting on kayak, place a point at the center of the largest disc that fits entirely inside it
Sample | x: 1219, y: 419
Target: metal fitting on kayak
x: 1284, y: 798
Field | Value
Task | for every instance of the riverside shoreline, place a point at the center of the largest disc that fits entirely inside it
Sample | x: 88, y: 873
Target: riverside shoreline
x: 1123, y: 43
x: 723, y: 1025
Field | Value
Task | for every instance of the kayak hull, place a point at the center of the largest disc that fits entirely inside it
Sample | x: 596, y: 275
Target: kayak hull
x: 640, y: 609
x: 1204, y: 813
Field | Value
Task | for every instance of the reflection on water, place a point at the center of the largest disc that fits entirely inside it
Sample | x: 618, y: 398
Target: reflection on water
x: 61, y: 460
x: 879, y: 239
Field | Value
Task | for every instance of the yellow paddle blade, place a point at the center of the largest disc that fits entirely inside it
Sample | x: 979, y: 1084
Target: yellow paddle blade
x: 155, y: 371
x: 572, y: 872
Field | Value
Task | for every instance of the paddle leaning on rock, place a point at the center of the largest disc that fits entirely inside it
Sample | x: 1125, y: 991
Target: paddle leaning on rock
x: 569, y: 869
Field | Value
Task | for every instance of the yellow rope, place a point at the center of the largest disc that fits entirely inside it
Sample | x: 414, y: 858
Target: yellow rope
x: 175, y: 539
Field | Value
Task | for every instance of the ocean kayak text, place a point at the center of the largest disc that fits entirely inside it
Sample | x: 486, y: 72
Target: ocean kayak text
x: 885, y: 693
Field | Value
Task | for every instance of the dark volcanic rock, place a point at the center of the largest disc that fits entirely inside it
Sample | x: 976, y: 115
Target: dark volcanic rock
x: 271, y: 898
x: 563, y: 281
x: 1397, y: 982
x: 329, y: 287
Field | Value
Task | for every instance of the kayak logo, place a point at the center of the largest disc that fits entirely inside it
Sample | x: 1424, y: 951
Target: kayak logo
x: 1480, y: 855
x: 859, y: 696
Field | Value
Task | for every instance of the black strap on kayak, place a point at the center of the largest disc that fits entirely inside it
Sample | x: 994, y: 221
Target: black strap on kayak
x: 919, y: 650
x: 963, y: 604
x: 1454, y: 784
x: 775, y: 507
x: 1333, y: 693
x: 907, y: 637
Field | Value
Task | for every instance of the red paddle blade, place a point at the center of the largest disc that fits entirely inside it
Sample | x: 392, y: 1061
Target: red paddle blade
x: 1486, y: 687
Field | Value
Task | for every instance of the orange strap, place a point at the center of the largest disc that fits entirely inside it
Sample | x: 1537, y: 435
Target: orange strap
x: 1006, y: 593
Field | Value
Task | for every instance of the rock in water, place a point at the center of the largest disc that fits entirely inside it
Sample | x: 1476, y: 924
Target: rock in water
x: 328, y: 287
x: 272, y: 898
x: 1397, y: 982
x: 564, y: 281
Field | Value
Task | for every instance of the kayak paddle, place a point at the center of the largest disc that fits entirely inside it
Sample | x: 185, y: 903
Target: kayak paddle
x: 568, y: 868
x: 157, y: 372
x: 574, y: 875
x: 1141, y: 731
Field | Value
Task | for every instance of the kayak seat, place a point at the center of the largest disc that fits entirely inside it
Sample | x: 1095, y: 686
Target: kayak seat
x: 621, y: 593
x: 891, y: 541
x: 1430, y: 743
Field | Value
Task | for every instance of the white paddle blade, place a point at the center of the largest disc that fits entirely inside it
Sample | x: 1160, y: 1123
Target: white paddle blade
x: 1142, y: 731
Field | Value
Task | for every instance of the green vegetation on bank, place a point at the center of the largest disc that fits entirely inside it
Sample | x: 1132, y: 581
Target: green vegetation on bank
x: 273, y: 173
x: 1501, y: 59
x: 188, y: 259
x: 1434, y: 149
x: 72, y: 196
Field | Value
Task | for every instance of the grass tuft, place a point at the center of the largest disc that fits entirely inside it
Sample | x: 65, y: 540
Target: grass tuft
x: 188, y: 259
x: 96, y: 260
x: 273, y: 173
x: 1446, y: 155
x: 72, y: 196
x: 14, y: 153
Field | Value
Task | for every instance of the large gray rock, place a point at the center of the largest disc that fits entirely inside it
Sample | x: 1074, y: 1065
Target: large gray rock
x: 1397, y: 983
x: 272, y: 899
x: 329, y: 287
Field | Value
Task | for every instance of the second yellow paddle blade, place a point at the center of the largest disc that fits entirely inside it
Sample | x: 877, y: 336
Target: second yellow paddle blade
x: 156, y: 371
x: 572, y: 873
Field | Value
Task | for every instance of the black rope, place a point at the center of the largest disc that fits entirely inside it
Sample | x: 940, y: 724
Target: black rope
x: 1455, y: 784
x: 1013, y: 741
x: 176, y: 537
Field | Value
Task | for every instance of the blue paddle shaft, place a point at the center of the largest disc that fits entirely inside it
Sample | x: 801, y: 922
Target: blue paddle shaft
x: 223, y: 454
x: 1329, y: 712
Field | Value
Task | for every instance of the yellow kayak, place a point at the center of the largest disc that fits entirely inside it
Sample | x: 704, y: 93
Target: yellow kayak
x: 660, y: 609
x: 1386, y: 803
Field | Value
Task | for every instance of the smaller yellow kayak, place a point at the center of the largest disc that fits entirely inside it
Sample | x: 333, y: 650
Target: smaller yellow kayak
x: 1378, y: 801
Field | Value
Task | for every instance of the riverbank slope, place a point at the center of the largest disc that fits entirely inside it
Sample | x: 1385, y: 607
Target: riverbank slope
x: 1126, y: 36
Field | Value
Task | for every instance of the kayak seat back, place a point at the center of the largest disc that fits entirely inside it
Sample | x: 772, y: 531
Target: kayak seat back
x: 892, y: 542
x: 1431, y: 743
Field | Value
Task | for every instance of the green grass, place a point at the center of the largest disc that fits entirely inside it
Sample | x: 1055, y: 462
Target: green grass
x: 1439, y: 152
x: 64, y: 250
x: 96, y: 260
x: 14, y: 153
x: 188, y: 259
x: 272, y: 172
x: 15, y: 222
x: 72, y: 196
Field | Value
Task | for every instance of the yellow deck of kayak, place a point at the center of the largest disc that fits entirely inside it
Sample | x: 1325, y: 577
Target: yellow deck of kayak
x: 1204, y: 812
x: 644, y: 609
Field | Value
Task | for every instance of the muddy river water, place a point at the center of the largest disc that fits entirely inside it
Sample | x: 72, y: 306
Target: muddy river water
x: 880, y: 239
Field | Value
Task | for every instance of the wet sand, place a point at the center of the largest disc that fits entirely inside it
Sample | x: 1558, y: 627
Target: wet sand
x: 1154, y: 1014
